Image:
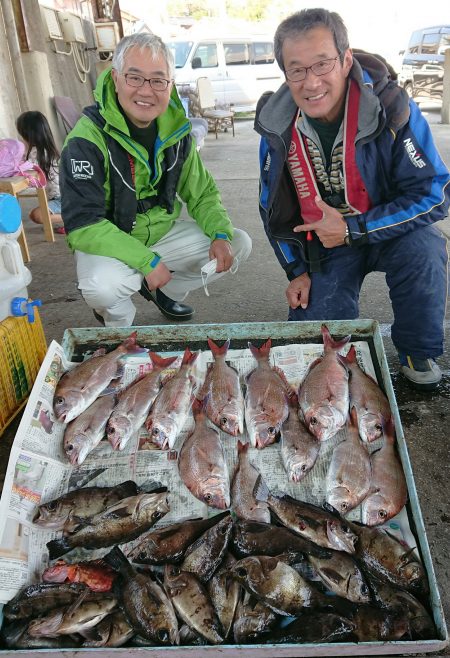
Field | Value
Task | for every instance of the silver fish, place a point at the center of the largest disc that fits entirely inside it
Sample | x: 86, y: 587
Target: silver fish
x: 202, y: 465
x: 243, y: 502
x: 388, y: 489
x: 171, y: 407
x: 299, y: 448
x: 348, y: 477
x: 86, y: 431
x: 371, y: 404
x: 266, y: 398
x: 79, y: 387
x: 134, y: 403
x: 323, y: 394
x: 224, y: 401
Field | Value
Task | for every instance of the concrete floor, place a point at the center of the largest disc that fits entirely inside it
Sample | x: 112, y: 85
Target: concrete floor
x: 256, y: 293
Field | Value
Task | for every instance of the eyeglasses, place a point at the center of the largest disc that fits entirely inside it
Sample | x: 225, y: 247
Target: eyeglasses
x: 319, y: 68
x: 157, y: 84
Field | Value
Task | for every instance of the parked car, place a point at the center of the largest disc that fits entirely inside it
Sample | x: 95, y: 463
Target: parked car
x: 240, y: 68
x: 422, y: 71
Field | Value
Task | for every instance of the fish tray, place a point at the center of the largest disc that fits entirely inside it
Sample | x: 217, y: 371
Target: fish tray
x: 174, y: 338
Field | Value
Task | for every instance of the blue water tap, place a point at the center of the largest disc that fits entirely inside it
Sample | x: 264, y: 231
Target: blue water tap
x: 20, y: 306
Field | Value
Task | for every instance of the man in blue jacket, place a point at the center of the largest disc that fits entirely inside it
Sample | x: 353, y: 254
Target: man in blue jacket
x: 351, y: 183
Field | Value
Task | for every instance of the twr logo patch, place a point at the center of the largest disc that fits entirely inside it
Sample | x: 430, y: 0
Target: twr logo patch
x: 413, y: 155
x: 82, y: 169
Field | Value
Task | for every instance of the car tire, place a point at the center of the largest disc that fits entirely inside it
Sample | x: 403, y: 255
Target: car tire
x: 409, y: 89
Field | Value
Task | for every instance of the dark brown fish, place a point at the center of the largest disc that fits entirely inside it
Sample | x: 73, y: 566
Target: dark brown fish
x: 374, y: 624
x: 313, y: 627
x: 224, y: 402
x: 169, y: 544
x: 341, y: 574
x: 81, y: 503
x: 119, y: 523
x: 192, y: 603
x: 145, y: 602
x: 255, y: 538
x: 309, y: 521
x: 39, y: 598
x: 225, y: 593
x: 252, y: 622
x: 323, y: 394
x: 79, y: 387
x: 371, y: 404
x: 266, y: 398
x: 207, y: 552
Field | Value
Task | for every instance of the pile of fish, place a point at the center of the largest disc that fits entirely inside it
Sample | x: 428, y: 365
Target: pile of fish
x: 302, y: 574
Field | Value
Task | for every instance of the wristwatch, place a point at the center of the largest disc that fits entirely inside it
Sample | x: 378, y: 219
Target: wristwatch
x: 347, y: 237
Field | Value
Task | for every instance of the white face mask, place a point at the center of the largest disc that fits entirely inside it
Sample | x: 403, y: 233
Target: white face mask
x: 210, y: 268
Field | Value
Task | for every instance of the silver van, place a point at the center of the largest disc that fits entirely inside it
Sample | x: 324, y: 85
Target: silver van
x: 422, y: 71
x: 241, y: 69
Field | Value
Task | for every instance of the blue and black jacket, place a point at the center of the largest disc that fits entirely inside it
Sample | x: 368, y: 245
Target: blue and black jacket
x: 406, y: 180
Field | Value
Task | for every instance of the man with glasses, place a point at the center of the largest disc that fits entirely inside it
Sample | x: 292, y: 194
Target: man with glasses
x: 125, y: 170
x: 351, y: 183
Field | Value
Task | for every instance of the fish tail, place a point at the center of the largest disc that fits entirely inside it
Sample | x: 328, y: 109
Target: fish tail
x: 242, y: 447
x: 216, y: 350
x: 58, y: 547
x: 197, y: 406
x: 353, y: 416
x: 160, y: 362
x: 351, y: 355
x: 130, y: 345
x: 117, y: 560
x: 261, y: 352
x: 188, y: 357
x: 261, y: 490
x: 329, y: 342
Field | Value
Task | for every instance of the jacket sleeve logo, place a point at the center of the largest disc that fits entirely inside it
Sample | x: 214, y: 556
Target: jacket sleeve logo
x: 82, y: 169
x: 413, y: 155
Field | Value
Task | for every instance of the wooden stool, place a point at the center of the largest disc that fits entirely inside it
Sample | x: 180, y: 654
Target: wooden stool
x: 14, y: 186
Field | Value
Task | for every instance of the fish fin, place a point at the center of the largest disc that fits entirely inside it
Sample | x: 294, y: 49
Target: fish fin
x: 58, y: 547
x: 332, y: 575
x: 100, y: 352
x: 160, y: 362
x: 242, y: 447
x: 76, y: 604
x: 351, y: 355
x: 216, y: 350
x: 116, y: 559
x: 189, y: 357
x: 152, y: 486
x: 130, y: 345
x: 329, y: 342
x: 261, y: 490
x: 261, y: 352
x: 353, y: 417
x: 332, y: 510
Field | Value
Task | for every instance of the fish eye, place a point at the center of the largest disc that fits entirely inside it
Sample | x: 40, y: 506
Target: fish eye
x: 163, y: 635
x: 223, y: 530
x: 241, y: 572
x: 364, y: 589
x: 345, y: 528
x: 59, y: 400
x: 174, y: 571
x: 223, y: 421
x: 142, y: 555
x: 157, y: 515
x: 208, y: 497
x: 344, y: 507
x: 110, y: 430
x: 52, y: 505
x: 155, y: 431
x: 382, y: 513
x: 313, y: 421
x: 69, y: 448
x: 303, y: 468
x: 271, y: 431
x: 379, y: 427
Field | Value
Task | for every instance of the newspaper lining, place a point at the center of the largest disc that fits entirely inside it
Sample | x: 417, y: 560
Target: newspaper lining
x: 38, y: 470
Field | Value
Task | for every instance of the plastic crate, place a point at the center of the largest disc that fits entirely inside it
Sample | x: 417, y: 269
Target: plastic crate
x: 22, y: 350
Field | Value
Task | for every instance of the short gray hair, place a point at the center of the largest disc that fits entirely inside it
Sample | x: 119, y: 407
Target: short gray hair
x: 143, y: 40
x: 305, y: 20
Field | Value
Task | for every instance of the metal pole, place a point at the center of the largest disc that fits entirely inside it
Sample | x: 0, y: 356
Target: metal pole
x: 15, y: 54
x: 445, y: 110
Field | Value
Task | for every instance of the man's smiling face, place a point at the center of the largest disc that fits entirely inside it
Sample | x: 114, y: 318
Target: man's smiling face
x: 142, y: 104
x: 320, y: 97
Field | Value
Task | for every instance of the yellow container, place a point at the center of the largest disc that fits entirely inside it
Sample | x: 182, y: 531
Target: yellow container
x: 22, y: 350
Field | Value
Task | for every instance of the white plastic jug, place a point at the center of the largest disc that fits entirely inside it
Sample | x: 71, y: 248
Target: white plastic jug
x: 14, y: 276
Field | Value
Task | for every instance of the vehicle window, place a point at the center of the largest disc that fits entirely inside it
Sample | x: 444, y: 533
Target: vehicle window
x: 207, y: 54
x: 180, y: 51
x: 263, y: 53
x: 414, y: 42
x: 430, y: 44
x: 444, y: 44
x: 236, y: 53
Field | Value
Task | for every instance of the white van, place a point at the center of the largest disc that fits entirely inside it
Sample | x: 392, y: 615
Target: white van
x: 240, y: 68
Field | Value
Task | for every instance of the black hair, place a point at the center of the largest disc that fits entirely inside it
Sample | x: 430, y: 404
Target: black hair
x: 305, y: 20
x: 34, y: 128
